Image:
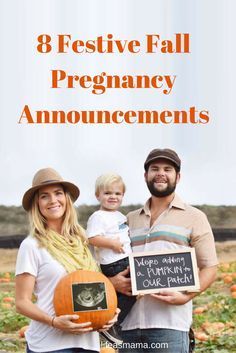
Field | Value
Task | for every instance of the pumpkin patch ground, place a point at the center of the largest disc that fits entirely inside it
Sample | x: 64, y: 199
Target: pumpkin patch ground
x: 214, y: 318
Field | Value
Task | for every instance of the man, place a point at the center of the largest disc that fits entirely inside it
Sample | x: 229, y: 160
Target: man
x: 161, y: 322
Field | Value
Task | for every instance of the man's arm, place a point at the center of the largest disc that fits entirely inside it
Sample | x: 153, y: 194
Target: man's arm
x: 206, y: 277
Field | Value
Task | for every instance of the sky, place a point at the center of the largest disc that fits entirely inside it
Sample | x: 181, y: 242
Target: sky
x: 205, y: 78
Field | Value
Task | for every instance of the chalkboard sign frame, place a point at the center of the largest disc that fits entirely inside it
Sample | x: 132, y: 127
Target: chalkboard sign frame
x: 189, y: 288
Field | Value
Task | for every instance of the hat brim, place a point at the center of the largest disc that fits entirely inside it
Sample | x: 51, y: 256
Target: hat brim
x: 29, y: 194
x: 160, y: 157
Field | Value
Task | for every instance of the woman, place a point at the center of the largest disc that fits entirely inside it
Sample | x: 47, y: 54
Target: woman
x: 57, y: 245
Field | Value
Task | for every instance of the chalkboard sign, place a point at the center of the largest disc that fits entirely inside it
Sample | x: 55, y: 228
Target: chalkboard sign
x: 175, y: 270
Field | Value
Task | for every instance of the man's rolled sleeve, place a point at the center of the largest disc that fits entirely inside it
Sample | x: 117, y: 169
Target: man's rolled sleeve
x: 202, y: 239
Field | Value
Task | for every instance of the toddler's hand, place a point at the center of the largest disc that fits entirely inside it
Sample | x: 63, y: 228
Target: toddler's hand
x: 117, y: 246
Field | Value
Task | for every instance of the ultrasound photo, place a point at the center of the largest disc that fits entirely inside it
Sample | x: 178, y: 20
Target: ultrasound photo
x: 89, y: 296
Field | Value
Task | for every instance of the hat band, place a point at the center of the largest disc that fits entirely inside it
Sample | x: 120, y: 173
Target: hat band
x: 51, y: 181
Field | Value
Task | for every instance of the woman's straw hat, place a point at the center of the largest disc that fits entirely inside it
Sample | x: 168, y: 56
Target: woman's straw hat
x: 48, y: 176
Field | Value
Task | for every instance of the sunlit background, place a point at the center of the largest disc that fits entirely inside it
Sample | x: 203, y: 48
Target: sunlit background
x: 205, y: 79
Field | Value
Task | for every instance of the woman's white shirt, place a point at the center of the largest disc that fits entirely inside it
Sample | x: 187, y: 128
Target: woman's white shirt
x: 47, y: 271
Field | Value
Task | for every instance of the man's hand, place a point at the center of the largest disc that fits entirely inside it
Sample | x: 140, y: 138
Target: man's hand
x: 206, y: 277
x: 121, y: 283
x: 174, y: 298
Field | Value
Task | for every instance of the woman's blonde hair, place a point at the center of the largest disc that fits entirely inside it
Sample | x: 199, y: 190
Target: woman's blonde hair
x: 106, y: 180
x: 70, y: 226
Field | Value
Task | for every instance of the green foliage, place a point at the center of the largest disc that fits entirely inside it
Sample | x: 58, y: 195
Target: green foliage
x: 85, y: 211
x: 218, y: 321
x: 222, y: 345
x: 10, y: 275
x: 10, y: 321
x: 14, y: 220
x: 12, y: 345
x: 220, y: 216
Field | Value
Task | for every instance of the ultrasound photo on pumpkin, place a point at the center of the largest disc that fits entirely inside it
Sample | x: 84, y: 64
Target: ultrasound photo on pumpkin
x: 89, y: 296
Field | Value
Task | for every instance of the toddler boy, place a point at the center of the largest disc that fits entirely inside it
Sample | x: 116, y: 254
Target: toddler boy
x: 108, y: 232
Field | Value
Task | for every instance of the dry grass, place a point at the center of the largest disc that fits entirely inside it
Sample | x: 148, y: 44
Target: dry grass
x: 226, y: 253
x: 7, y: 260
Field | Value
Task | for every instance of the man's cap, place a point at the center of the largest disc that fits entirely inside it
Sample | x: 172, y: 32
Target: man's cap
x: 165, y: 153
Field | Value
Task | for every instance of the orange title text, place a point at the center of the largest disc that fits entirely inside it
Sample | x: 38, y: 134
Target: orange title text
x: 102, y: 82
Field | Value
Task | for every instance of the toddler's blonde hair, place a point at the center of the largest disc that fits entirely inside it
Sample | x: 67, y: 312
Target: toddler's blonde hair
x: 106, y: 180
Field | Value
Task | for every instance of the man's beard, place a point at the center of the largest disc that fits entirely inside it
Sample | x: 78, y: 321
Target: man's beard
x: 161, y: 193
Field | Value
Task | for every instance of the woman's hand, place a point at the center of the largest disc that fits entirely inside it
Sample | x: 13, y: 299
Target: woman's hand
x: 65, y: 323
x: 111, y: 322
